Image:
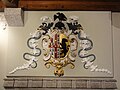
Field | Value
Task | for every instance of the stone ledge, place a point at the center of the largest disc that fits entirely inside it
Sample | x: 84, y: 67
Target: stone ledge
x: 56, y: 82
x: 14, y: 17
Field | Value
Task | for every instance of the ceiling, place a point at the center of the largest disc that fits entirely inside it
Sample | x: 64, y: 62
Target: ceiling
x: 36, y: 5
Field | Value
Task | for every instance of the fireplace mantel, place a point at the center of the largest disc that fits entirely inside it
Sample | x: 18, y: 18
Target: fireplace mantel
x: 39, y: 82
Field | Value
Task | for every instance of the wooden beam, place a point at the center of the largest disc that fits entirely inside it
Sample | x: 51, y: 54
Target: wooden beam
x: 10, y: 3
x: 76, y: 0
x: 87, y: 5
x: 99, y: 5
x: 1, y: 6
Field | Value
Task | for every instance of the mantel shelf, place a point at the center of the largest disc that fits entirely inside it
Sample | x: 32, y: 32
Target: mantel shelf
x: 38, y: 82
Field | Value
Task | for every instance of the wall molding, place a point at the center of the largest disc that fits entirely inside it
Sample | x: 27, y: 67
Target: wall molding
x: 36, y: 82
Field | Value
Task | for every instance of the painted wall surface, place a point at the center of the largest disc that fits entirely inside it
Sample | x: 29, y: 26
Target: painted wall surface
x: 3, y: 54
x: 96, y: 24
x: 116, y: 46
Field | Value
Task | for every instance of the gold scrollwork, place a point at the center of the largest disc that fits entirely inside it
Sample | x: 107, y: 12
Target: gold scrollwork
x: 60, y: 51
x: 59, y: 66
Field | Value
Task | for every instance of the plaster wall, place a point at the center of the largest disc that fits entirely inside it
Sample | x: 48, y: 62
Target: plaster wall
x: 98, y: 27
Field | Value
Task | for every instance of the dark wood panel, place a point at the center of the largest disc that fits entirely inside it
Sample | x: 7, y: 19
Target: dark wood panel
x: 1, y: 6
x: 77, y: 0
x: 87, y: 5
x: 70, y: 5
x: 10, y: 3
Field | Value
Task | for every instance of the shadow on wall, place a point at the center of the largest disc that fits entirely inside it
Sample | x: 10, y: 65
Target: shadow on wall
x: 116, y: 19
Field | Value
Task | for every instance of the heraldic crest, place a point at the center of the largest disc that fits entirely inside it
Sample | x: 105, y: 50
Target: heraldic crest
x: 60, y: 40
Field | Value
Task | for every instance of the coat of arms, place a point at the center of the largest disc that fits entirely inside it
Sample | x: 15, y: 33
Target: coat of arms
x: 60, y: 39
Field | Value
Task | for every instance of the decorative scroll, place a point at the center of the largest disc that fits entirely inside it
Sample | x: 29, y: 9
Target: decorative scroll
x: 60, y: 39
x: 31, y: 58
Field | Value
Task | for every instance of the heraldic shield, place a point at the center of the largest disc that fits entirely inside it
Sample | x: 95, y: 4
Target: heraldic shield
x: 59, y: 51
x: 60, y: 44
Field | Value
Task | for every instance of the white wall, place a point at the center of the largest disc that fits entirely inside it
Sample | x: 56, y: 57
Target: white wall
x: 17, y: 33
x: 116, y: 48
x: 3, y: 54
